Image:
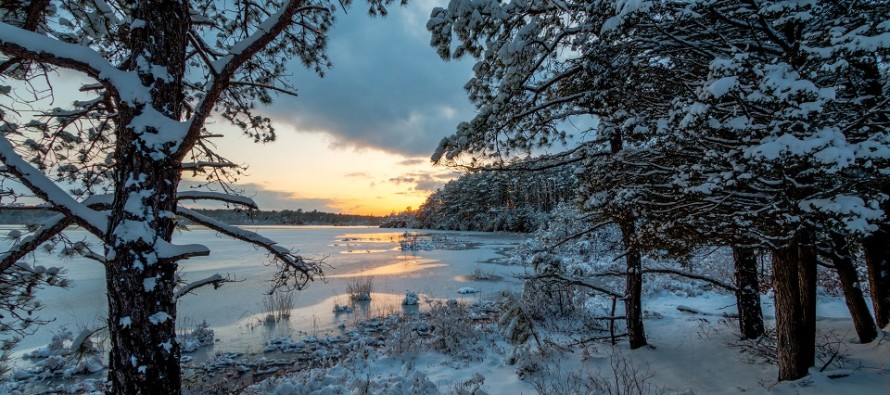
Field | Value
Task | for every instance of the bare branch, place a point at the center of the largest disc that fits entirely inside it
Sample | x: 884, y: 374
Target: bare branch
x: 576, y: 282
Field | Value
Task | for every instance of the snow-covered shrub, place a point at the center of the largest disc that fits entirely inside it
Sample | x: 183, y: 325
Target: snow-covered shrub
x: 346, y: 381
x: 479, y: 275
x: 453, y: 333
x: 624, y: 377
x: 342, y: 308
x: 471, y: 386
x: 545, y: 299
x: 65, y: 356
x: 514, y: 322
x: 191, y: 341
x: 411, y: 299
x: 406, y: 338
x: 359, y: 289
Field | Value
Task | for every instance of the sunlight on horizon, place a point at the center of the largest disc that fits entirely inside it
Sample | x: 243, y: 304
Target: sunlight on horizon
x: 309, y: 170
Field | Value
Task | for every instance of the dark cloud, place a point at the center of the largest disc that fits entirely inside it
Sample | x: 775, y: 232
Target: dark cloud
x: 401, y: 180
x: 388, y: 89
x: 423, y: 182
x: 414, y: 162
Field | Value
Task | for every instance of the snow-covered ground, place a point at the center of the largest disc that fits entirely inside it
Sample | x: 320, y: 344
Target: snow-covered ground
x: 435, y: 346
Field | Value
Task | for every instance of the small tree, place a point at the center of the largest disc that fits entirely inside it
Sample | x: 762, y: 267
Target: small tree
x: 157, y: 71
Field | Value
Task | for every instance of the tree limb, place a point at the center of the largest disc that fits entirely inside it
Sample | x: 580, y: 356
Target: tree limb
x: 44, y: 188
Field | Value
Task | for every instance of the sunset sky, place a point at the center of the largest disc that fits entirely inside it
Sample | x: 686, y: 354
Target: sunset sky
x: 359, y: 139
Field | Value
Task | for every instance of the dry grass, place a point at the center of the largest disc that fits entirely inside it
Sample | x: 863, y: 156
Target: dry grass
x: 360, y: 289
x: 278, y: 306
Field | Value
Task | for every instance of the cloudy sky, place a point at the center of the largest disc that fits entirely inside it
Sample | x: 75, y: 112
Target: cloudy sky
x: 359, y: 139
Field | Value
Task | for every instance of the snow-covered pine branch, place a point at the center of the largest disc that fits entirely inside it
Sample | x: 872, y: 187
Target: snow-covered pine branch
x: 290, y: 262
x: 39, y: 48
x: 29, y: 243
x: 215, y: 280
x: 218, y: 196
x: 46, y: 189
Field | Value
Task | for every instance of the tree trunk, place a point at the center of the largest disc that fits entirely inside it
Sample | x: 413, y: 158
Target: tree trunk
x: 806, y: 267
x: 877, y: 245
x: 877, y: 260
x: 633, y: 304
x: 140, y: 274
x: 849, y: 279
x: 747, y: 293
x: 791, y: 328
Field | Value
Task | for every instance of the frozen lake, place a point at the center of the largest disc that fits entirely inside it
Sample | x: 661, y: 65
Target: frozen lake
x: 236, y: 312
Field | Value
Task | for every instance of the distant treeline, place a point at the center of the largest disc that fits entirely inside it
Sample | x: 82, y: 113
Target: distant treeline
x: 507, y: 201
x: 289, y: 217
x: 236, y: 217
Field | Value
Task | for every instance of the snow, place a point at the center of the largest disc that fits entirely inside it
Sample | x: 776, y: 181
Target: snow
x: 159, y: 317
x: 721, y: 86
x: 159, y: 134
x: 41, y: 183
x: 129, y: 87
x: 209, y: 195
x: 149, y: 284
x: 694, y: 351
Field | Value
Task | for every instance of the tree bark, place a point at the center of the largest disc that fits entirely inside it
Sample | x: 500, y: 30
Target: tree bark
x: 633, y: 304
x: 747, y: 293
x: 806, y: 267
x: 791, y: 341
x: 849, y: 279
x: 877, y: 260
x: 140, y: 279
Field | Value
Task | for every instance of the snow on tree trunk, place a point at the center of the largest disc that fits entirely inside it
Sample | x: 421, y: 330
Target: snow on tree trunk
x: 842, y: 259
x: 140, y: 280
x: 633, y: 304
x: 747, y: 293
x: 791, y: 327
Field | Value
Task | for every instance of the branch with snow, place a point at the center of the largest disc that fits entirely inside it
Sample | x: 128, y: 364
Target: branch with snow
x: 556, y: 278
x: 694, y: 276
x: 305, y: 271
x: 24, y: 44
x: 226, y: 67
x: 44, y: 188
x: 218, y: 196
x: 201, y: 165
x: 46, y: 231
x: 215, y: 280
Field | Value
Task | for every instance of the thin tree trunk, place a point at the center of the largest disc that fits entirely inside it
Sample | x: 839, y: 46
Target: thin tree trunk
x: 789, y: 314
x: 806, y: 267
x: 849, y: 279
x: 747, y: 293
x: 633, y: 304
x: 877, y: 260
x: 876, y: 246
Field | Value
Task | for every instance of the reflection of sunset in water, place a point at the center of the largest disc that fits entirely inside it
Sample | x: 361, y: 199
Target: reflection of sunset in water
x: 413, y: 265
x: 358, y: 251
